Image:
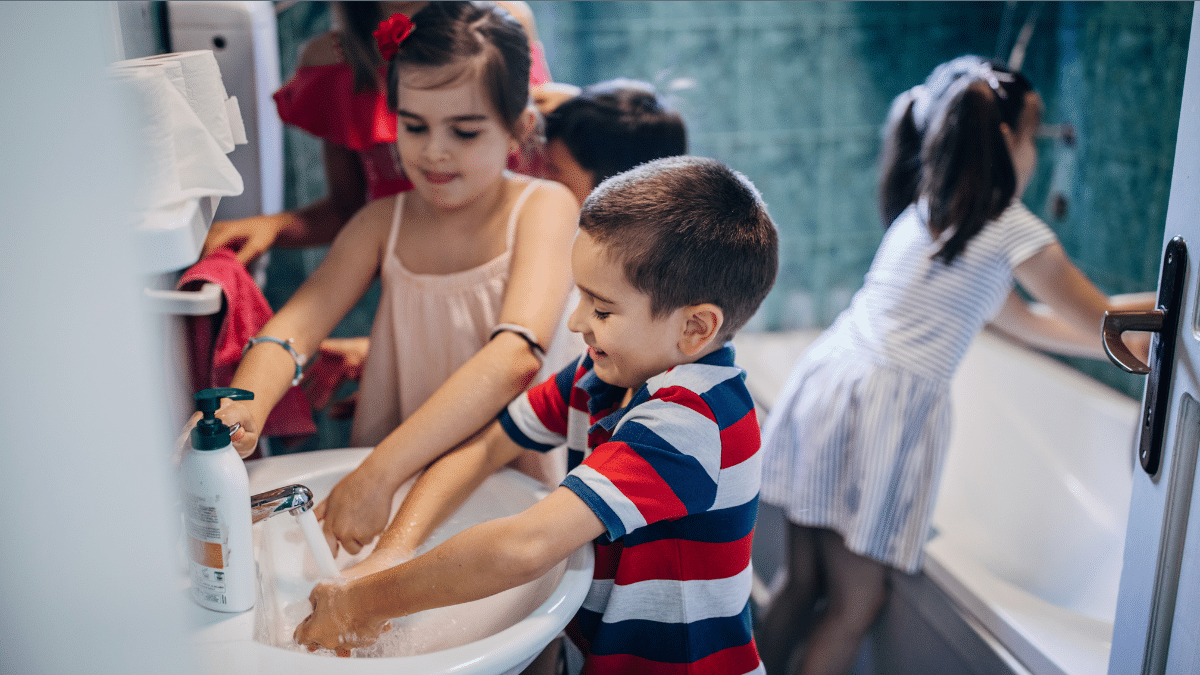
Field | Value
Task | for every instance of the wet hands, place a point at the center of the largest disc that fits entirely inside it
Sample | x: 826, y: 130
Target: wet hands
x: 335, y: 623
x: 356, y: 510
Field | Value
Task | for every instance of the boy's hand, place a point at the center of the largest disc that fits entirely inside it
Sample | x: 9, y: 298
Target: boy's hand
x: 334, y: 624
x: 356, y: 510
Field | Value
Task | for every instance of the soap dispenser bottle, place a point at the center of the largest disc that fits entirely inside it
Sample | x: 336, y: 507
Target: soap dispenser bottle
x: 216, y: 505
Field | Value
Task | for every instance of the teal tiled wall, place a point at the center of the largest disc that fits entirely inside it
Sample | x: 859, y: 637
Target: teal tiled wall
x: 793, y: 94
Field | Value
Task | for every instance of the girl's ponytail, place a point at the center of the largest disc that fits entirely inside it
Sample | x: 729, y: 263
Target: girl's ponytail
x: 966, y: 173
x: 969, y: 177
x: 900, y: 159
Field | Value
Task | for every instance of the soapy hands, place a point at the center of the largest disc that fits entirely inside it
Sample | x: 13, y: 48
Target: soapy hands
x: 356, y: 510
x: 335, y: 623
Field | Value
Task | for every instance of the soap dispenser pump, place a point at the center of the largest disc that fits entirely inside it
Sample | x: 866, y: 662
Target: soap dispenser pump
x: 216, y: 504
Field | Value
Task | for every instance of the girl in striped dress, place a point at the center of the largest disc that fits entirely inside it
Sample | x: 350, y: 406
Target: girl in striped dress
x: 855, y: 444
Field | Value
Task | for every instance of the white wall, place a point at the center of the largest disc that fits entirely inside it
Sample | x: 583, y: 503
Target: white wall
x: 87, y: 579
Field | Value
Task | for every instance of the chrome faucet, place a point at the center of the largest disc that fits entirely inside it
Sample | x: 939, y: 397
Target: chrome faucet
x: 294, y: 499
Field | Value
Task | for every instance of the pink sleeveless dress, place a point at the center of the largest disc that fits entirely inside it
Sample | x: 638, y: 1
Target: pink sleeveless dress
x: 429, y: 325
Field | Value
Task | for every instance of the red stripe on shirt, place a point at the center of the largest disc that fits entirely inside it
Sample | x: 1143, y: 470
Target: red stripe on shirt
x: 686, y: 398
x: 732, y: 661
x: 608, y: 557
x: 740, y: 440
x: 548, y: 404
x: 684, y: 560
x: 637, y: 480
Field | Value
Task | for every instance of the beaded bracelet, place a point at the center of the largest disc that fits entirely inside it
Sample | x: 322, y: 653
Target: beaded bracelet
x: 525, y: 334
x: 299, y: 358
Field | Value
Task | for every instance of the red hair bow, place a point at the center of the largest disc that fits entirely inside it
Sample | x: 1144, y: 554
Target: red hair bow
x: 391, y: 33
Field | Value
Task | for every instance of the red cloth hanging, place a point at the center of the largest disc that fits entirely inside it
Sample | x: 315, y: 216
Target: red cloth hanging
x: 216, y: 341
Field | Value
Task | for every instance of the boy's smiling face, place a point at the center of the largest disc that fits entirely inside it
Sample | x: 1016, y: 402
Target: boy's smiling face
x: 626, y: 344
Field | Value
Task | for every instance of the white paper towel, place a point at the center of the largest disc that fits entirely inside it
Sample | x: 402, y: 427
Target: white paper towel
x: 183, y: 160
x: 204, y: 90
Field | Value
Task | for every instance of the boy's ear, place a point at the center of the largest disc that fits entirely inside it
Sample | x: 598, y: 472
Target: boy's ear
x: 701, y: 325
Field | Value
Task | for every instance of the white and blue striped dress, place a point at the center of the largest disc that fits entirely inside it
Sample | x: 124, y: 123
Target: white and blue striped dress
x: 857, y: 439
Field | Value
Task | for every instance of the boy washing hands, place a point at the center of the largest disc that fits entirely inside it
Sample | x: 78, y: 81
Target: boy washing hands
x: 672, y: 258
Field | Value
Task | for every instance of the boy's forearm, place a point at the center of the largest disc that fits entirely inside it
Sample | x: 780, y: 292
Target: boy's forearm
x: 483, y: 560
x: 474, y: 564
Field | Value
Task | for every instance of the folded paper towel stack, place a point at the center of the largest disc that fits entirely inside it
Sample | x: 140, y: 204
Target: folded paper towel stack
x: 185, y: 124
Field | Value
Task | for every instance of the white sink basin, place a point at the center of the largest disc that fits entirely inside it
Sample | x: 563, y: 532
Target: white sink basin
x: 499, y: 634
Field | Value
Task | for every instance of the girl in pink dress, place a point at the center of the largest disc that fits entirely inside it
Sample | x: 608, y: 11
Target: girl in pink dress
x: 474, y: 263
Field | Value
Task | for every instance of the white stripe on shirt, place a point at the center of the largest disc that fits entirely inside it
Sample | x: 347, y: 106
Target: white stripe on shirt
x: 684, y: 429
x: 672, y: 601
x: 616, y: 500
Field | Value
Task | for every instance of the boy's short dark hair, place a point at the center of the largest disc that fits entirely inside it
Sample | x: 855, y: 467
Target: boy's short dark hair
x: 687, y: 230
x: 613, y: 126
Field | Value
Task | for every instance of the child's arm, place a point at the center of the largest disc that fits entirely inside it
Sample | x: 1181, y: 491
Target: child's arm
x: 307, y: 318
x: 540, y: 280
x: 318, y: 223
x: 1077, y: 307
x: 1039, y: 327
x: 478, y: 562
x: 444, y: 486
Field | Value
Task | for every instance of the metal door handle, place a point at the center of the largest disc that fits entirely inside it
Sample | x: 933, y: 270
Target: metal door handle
x: 1164, y: 320
x: 1117, y: 322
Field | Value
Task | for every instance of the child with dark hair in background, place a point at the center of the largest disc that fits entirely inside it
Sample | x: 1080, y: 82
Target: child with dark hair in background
x: 855, y: 445
x: 672, y: 258
x: 608, y: 128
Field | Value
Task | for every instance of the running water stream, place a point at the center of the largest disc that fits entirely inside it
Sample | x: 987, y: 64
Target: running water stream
x: 318, y: 545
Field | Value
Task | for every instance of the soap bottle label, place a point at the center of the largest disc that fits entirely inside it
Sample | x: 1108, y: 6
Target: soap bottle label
x: 206, y: 540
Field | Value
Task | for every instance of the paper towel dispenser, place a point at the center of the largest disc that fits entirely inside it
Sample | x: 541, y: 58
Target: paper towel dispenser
x: 244, y: 38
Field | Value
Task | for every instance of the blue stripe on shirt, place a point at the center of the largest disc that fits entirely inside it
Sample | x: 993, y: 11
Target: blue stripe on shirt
x: 668, y: 642
x: 682, y: 473
x: 514, y: 432
x: 728, y: 404
x: 616, y: 527
x: 714, y: 527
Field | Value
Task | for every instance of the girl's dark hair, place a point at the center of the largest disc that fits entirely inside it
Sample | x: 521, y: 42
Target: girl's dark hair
x: 358, y: 44
x: 943, y: 142
x: 613, y: 126
x: 475, y: 35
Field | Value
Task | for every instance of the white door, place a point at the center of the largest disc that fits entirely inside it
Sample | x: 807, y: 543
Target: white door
x: 1157, y: 626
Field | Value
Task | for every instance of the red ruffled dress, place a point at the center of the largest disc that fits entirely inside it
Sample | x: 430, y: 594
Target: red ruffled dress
x: 322, y: 101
